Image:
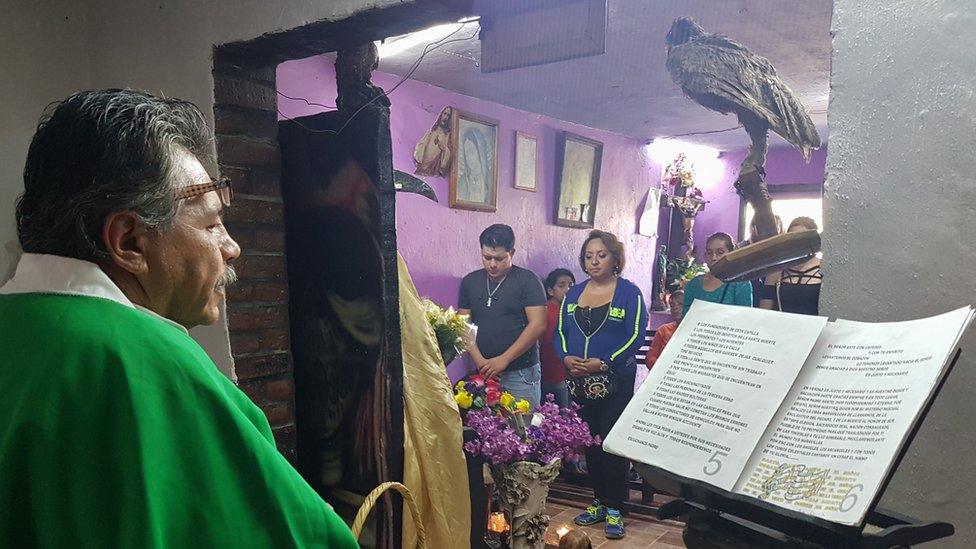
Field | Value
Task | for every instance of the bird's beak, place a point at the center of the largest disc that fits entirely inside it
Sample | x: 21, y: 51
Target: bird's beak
x: 406, y: 183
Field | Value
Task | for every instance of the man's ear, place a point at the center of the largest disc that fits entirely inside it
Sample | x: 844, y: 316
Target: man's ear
x: 125, y: 237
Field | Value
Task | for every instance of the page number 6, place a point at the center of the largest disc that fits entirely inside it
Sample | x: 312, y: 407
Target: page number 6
x: 714, y: 465
x: 850, y: 500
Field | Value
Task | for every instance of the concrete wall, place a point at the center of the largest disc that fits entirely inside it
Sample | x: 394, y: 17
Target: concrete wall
x: 50, y: 49
x: 899, y: 207
x: 43, y: 58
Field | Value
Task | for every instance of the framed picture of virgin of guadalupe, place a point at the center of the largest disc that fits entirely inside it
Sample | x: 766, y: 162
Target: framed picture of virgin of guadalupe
x: 474, y: 173
x: 577, y: 180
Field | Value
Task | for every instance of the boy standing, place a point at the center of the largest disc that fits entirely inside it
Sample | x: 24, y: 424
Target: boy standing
x: 557, y: 284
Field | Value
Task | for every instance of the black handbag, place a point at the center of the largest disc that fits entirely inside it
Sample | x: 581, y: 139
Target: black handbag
x: 593, y: 387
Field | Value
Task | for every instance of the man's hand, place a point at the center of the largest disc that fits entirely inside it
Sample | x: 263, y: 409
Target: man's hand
x: 493, y: 367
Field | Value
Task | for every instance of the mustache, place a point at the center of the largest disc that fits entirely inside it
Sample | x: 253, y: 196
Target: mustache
x: 229, y: 277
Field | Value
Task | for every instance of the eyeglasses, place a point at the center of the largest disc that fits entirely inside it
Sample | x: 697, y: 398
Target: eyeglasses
x: 222, y: 186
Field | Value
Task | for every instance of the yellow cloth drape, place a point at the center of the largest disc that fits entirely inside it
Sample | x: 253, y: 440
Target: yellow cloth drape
x: 434, y: 468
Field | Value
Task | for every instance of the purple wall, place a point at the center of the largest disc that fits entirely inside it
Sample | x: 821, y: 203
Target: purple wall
x: 783, y: 166
x: 440, y: 244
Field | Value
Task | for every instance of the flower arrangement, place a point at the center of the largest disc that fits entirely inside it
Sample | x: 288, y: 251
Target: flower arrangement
x: 680, y: 271
x: 449, y: 327
x: 508, y: 431
x: 678, y: 174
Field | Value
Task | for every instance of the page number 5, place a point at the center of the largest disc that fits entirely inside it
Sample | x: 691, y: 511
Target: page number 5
x: 714, y: 465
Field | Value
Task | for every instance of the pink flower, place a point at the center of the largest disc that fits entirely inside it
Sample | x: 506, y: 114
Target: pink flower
x: 492, y: 395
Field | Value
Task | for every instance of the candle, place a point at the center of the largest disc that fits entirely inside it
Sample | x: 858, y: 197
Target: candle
x: 497, y: 523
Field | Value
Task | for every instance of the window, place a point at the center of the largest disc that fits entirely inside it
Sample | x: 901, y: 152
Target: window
x: 788, y: 205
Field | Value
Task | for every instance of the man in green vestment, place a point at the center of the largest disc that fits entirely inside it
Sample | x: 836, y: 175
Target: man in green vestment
x: 116, y: 429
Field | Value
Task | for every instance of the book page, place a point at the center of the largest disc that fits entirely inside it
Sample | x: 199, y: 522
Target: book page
x: 831, y: 445
x: 713, y: 391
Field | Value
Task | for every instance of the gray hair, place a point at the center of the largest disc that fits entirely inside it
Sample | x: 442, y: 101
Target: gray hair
x: 100, y: 152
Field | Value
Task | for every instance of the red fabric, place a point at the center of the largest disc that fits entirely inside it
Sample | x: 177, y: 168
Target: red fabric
x: 661, y: 337
x: 553, y: 370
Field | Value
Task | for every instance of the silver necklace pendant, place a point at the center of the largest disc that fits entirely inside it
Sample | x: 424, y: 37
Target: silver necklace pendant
x: 490, y: 291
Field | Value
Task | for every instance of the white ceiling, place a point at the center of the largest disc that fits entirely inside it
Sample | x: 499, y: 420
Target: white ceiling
x: 628, y: 89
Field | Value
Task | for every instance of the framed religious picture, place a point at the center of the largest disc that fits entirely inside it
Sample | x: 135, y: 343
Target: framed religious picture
x: 577, y: 180
x: 433, y: 154
x: 474, y: 172
x: 526, y: 166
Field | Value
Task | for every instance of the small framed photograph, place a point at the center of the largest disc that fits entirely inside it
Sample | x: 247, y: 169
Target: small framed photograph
x: 474, y: 172
x: 526, y: 164
x: 577, y: 180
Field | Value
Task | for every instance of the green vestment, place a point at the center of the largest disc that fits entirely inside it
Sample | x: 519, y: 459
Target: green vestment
x: 117, y: 430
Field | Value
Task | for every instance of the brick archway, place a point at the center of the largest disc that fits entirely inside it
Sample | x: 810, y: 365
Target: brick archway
x: 246, y: 127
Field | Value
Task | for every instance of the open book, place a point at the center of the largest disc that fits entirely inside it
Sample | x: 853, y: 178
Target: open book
x: 793, y: 410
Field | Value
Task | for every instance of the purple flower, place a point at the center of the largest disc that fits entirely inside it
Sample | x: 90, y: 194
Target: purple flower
x: 473, y: 447
x: 560, y: 434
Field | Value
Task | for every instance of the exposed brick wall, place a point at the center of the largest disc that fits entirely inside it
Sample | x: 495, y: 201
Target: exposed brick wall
x: 257, y: 306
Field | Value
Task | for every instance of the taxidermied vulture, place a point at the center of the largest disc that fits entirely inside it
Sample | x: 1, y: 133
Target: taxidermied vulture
x: 724, y: 76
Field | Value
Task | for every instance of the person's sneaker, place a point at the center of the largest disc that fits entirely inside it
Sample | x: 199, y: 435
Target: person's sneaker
x: 615, y: 525
x: 594, y: 513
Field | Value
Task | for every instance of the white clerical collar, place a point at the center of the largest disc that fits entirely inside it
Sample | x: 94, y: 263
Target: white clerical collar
x: 54, y: 274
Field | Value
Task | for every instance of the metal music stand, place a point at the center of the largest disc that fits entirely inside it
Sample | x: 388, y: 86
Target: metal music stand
x: 720, y: 519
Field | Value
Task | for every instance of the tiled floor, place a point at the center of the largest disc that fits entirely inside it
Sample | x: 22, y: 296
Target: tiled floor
x: 642, y: 533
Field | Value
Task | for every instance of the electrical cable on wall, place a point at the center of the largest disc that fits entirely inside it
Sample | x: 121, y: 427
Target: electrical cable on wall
x: 413, y: 68
x: 307, y: 102
x: 690, y: 134
x: 698, y: 133
x: 427, y: 49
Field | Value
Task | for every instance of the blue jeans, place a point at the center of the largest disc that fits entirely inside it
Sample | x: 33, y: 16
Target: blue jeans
x: 524, y: 384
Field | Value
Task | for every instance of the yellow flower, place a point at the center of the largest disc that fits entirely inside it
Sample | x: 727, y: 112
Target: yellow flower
x: 459, y: 387
x: 522, y: 407
x: 464, y: 399
x: 507, y: 400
